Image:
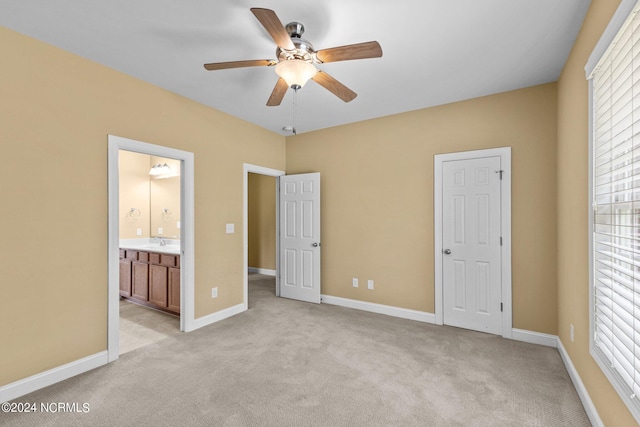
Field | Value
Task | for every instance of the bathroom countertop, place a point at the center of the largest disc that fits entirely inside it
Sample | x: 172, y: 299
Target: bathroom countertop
x: 152, y: 245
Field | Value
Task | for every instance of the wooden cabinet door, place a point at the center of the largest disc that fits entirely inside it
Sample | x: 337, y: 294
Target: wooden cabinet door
x: 140, y: 280
x: 173, y: 303
x: 158, y: 281
x: 125, y: 278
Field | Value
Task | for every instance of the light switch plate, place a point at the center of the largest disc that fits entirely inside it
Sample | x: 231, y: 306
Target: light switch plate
x: 230, y: 228
x: 370, y: 284
x: 354, y: 282
x: 159, y: 230
x: 214, y: 292
x: 139, y: 231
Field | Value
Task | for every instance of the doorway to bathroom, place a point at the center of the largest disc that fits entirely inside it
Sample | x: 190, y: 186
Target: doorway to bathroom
x: 149, y: 249
x: 150, y: 243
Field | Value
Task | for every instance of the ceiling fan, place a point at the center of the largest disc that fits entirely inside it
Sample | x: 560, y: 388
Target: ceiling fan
x: 296, y: 56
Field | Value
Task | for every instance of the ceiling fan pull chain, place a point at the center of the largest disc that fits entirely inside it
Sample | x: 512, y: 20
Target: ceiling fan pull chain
x: 295, y: 106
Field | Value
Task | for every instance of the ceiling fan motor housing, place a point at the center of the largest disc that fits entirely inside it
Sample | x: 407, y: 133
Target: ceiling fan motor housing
x: 295, y: 29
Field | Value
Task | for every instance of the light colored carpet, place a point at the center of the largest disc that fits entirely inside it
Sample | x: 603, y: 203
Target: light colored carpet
x: 141, y: 326
x: 288, y: 363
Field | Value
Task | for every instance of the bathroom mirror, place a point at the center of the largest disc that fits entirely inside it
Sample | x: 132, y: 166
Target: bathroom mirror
x: 149, y: 196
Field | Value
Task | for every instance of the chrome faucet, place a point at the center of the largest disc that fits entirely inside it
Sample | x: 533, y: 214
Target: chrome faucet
x: 163, y: 242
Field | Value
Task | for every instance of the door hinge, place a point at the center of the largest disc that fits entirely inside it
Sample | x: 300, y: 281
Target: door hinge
x: 501, y: 307
x: 500, y: 240
x: 500, y: 172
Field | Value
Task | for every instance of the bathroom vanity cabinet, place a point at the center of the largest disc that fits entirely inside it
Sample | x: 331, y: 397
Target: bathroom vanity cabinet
x: 151, y: 279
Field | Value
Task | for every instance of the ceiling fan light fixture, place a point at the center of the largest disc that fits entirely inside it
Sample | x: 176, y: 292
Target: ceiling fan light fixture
x: 295, y: 72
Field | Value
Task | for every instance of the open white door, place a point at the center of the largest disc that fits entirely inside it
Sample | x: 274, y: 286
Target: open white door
x: 300, y: 237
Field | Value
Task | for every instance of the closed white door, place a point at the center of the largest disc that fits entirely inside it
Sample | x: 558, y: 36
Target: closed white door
x: 471, y: 242
x: 300, y: 237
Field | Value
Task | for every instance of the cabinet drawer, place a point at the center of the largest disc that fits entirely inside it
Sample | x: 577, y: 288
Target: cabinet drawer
x: 164, y: 259
x: 143, y: 256
x: 168, y: 260
x: 132, y: 255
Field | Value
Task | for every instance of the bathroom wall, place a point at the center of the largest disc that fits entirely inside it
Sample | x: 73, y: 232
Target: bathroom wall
x: 134, y: 195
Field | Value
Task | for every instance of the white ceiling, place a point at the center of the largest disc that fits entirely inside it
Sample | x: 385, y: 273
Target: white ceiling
x: 435, y: 51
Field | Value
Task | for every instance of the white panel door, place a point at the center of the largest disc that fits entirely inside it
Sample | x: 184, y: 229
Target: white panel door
x: 471, y: 271
x: 300, y: 237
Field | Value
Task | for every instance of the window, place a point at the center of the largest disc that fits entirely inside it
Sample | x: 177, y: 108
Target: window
x: 615, y: 190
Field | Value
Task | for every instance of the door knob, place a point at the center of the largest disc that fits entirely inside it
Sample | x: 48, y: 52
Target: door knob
x: 315, y: 245
x: 447, y: 251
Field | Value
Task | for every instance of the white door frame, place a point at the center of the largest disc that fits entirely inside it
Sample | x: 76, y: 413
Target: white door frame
x: 261, y: 170
x: 187, y: 309
x: 505, y: 154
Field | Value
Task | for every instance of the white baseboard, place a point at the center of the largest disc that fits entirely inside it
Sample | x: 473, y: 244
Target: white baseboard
x: 28, y: 385
x: 517, y: 334
x: 534, y: 337
x: 264, y: 271
x: 43, y: 379
x: 403, y: 313
x: 589, y: 407
x: 217, y: 316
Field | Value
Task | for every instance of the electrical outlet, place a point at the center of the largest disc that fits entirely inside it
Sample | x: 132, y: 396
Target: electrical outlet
x: 571, y: 332
x: 214, y: 292
x: 230, y: 228
x: 138, y: 231
x: 354, y: 282
x: 159, y: 231
x: 370, y: 284
x: 178, y: 224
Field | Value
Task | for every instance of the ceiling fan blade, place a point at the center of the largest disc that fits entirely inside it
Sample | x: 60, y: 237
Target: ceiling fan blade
x: 278, y: 93
x: 334, y: 86
x: 274, y: 27
x: 352, y: 51
x: 239, y: 64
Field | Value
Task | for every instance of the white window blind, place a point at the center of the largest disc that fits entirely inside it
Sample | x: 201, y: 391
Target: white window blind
x: 616, y: 218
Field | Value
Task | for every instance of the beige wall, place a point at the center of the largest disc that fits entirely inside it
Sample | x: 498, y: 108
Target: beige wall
x: 262, y: 221
x: 56, y: 110
x: 134, y: 194
x: 377, y: 198
x: 573, y: 205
